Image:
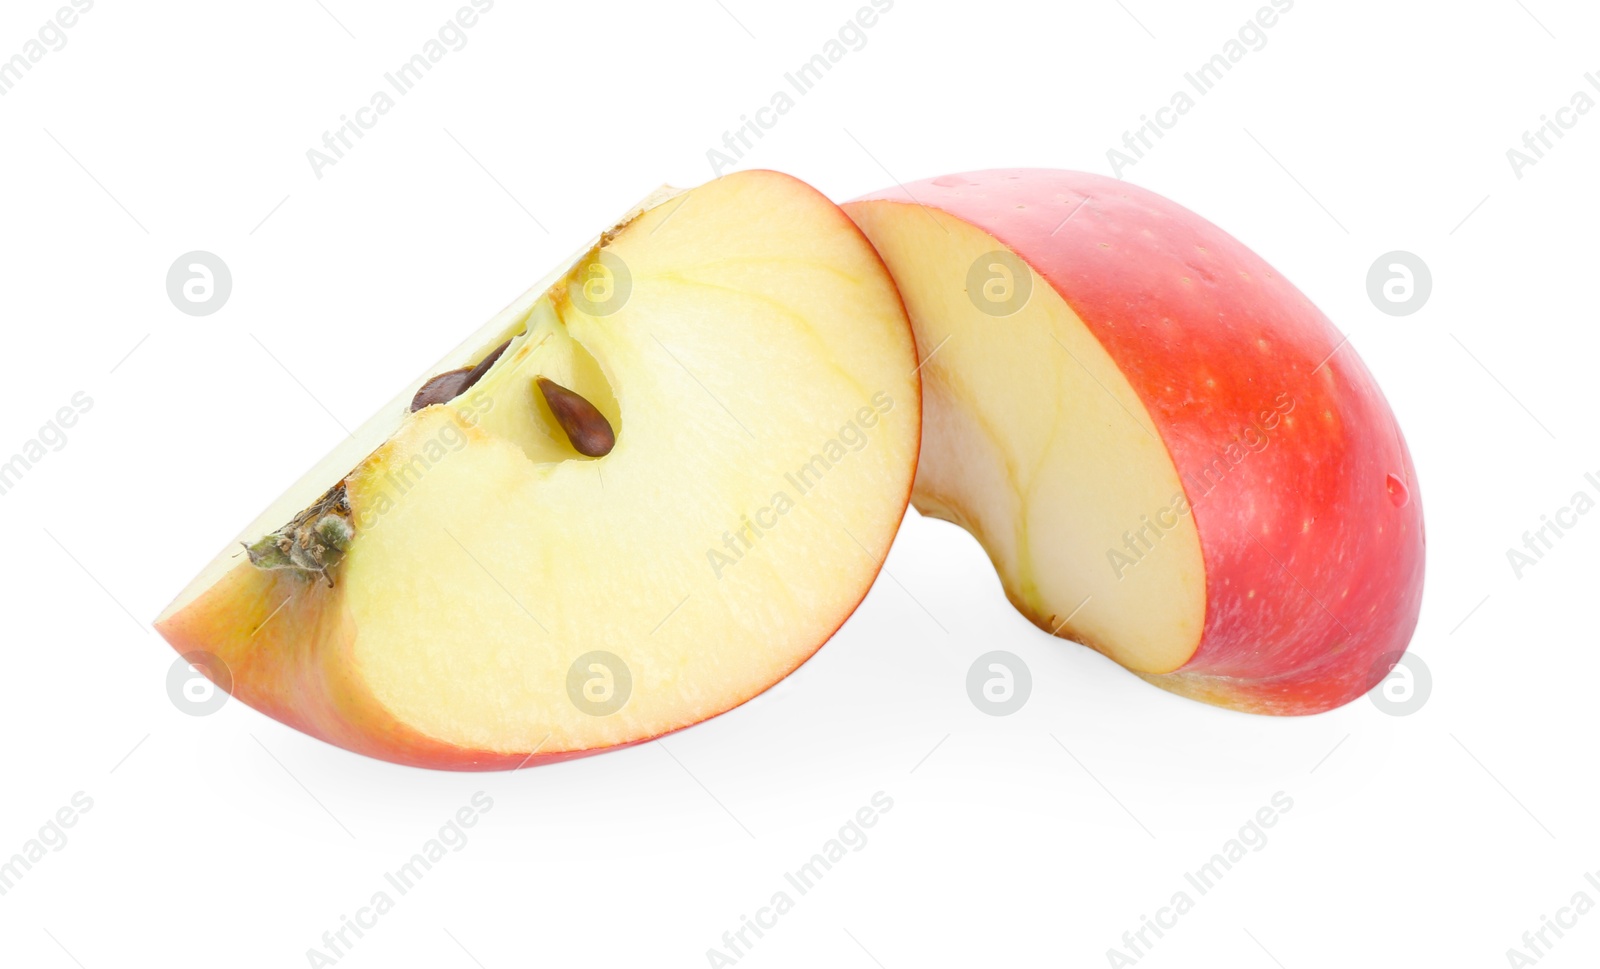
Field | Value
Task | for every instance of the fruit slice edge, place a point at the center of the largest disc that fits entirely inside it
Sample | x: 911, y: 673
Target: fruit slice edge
x: 1032, y: 431
x: 1295, y: 471
x: 763, y: 352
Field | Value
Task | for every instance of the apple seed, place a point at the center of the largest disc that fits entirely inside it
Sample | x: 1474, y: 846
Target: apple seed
x: 448, y: 386
x: 587, y: 428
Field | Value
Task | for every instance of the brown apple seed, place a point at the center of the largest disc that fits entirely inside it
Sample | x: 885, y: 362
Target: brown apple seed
x: 587, y: 428
x: 448, y: 386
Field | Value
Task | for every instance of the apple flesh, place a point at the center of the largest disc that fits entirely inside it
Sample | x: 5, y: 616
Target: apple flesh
x: 673, y: 484
x: 1168, y: 452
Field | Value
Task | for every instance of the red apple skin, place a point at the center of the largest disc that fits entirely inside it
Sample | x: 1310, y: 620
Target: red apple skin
x: 1324, y: 525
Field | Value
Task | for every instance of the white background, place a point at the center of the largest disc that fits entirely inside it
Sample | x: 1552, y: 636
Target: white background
x: 1034, y: 840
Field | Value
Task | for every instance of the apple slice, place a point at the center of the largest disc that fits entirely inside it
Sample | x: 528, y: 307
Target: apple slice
x: 643, y: 494
x: 1167, y: 451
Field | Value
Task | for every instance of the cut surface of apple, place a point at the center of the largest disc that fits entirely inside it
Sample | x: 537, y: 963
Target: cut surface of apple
x: 1168, y: 452
x: 492, y: 582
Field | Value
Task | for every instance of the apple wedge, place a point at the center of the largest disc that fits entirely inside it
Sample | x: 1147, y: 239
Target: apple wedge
x: 1168, y: 452
x: 643, y: 494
